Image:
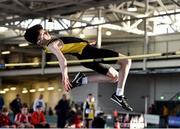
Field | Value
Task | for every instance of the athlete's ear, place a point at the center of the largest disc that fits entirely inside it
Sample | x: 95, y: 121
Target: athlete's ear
x: 46, y: 32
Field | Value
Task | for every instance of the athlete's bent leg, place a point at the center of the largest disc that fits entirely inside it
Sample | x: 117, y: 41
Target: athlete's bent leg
x: 118, y: 97
x: 125, y: 66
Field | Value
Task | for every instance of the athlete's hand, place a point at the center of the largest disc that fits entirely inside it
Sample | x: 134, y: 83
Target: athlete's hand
x: 92, y: 42
x: 66, y: 83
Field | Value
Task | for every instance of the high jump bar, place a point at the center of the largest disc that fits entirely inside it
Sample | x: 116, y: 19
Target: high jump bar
x: 98, y: 60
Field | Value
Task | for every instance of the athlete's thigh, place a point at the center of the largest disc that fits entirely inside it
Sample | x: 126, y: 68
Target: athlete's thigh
x: 98, y: 67
x: 91, y: 52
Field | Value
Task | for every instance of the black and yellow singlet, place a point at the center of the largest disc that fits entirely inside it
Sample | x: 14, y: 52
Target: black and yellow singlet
x: 82, y: 50
x: 71, y: 45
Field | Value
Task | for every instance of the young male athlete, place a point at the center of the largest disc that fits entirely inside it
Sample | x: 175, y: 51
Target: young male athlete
x: 83, y: 50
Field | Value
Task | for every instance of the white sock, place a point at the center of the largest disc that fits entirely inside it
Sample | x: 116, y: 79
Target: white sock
x: 84, y: 80
x: 119, y: 92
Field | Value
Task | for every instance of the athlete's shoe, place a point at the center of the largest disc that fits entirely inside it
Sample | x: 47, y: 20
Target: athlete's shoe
x: 122, y: 101
x: 77, y: 81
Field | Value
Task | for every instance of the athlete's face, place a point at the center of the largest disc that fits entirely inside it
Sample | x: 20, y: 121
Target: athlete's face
x: 43, y: 37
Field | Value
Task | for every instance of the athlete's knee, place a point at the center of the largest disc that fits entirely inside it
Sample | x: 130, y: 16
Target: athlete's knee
x: 125, y: 62
x: 129, y: 61
x: 113, y: 74
x: 114, y: 77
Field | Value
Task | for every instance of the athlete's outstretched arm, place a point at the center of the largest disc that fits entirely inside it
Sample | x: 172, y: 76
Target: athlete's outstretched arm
x: 55, y: 49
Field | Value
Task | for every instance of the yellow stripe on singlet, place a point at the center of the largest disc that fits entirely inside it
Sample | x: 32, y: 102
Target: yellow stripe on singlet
x: 71, y: 48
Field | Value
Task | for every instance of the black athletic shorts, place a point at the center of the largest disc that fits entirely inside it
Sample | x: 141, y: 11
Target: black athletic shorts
x: 91, y: 52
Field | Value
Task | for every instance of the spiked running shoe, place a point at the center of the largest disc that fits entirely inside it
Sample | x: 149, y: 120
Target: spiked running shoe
x: 121, y: 101
x: 77, y: 81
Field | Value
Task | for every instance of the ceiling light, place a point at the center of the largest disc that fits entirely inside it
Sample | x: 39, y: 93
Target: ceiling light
x: 162, y: 97
x: 2, y: 92
x: 50, y: 88
x: 25, y: 91
x: 108, y: 33
x: 23, y: 44
x: 6, y: 89
x: 132, y: 9
x: 178, y: 97
x: 13, y: 88
x: 50, y: 25
x: 5, y: 52
x: 50, y: 20
x: 32, y: 90
x: 41, y: 89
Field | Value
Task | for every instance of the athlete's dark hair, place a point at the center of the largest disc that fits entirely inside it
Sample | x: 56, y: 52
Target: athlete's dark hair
x: 32, y: 33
